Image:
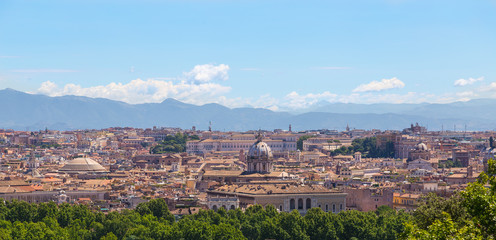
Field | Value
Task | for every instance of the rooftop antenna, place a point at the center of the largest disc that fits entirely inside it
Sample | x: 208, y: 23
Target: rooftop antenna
x: 209, y: 126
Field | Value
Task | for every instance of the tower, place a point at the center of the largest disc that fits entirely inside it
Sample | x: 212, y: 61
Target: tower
x: 358, y: 157
x: 32, y: 162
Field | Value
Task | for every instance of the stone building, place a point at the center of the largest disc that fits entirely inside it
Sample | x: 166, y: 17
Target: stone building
x: 285, y: 197
x: 368, y: 199
x: 420, y: 152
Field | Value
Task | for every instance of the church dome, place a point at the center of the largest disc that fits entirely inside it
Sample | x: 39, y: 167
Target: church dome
x: 82, y: 165
x: 421, y: 147
x: 260, y: 150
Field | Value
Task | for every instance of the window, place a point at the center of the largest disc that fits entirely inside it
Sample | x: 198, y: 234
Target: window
x: 327, y: 208
x: 280, y: 208
x: 333, y: 207
x: 292, y: 204
x: 300, y: 203
x: 309, y: 203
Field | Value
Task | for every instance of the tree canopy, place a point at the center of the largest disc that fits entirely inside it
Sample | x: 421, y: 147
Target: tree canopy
x: 173, y: 143
x: 152, y: 220
x: 368, y: 147
x: 468, y: 214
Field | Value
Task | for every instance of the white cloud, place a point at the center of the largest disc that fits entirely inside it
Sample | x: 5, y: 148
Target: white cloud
x: 142, y: 91
x: 464, y: 82
x: 491, y: 87
x: 43, y: 70
x: 198, y: 86
x: 384, y: 84
x: 47, y: 87
x: 208, y: 72
x: 194, y: 87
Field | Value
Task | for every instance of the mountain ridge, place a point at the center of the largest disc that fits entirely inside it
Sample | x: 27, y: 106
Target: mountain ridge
x: 23, y: 111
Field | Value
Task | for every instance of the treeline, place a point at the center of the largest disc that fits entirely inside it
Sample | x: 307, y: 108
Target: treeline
x: 469, y: 214
x: 450, y: 164
x: 152, y: 220
x: 173, y: 143
x: 368, y: 147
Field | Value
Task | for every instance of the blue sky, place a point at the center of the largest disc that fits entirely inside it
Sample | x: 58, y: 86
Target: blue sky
x: 275, y: 54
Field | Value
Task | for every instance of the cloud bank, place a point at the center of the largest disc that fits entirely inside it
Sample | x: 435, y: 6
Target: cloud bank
x: 196, y: 87
x: 464, y: 82
x: 208, y: 72
x: 205, y: 84
x: 384, y: 84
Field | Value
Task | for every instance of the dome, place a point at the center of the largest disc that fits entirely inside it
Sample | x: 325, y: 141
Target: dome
x: 82, y: 165
x: 260, y: 150
x: 421, y: 147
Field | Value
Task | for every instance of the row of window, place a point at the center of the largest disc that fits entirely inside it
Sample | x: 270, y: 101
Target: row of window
x: 308, y: 205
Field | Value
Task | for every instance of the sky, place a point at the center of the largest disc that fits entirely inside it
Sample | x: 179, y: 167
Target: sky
x: 281, y: 55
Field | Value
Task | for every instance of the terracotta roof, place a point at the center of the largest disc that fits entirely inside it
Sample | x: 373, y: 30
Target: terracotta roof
x: 265, y: 189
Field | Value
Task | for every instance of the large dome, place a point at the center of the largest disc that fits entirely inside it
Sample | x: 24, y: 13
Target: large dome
x: 82, y: 165
x: 421, y: 147
x: 260, y: 150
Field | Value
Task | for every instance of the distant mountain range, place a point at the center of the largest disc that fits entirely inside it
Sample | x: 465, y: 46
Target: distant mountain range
x: 21, y: 111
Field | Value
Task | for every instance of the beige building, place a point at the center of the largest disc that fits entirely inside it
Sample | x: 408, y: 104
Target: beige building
x: 285, y: 197
x: 281, y: 145
x: 368, y: 199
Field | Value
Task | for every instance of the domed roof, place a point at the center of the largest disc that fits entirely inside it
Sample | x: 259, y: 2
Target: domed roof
x: 260, y: 150
x: 421, y: 147
x: 82, y: 165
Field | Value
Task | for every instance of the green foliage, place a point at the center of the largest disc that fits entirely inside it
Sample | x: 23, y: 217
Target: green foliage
x: 299, y: 143
x: 152, y: 220
x: 469, y: 214
x: 443, y: 228
x: 450, y: 164
x: 368, y: 147
x: 173, y: 144
x: 432, y: 208
x: 156, y: 207
x: 50, y: 145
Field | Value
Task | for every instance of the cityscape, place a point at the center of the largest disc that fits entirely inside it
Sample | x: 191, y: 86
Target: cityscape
x: 115, y: 169
x: 249, y: 120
